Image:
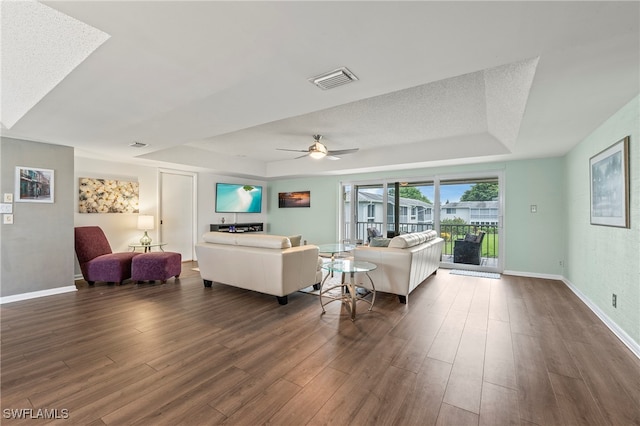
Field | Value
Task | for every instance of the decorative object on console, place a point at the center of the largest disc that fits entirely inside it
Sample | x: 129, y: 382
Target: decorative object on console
x: 107, y: 196
x: 237, y: 227
x: 294, y: 199
x: 34, y: 185
x: 145, y: 223
x: 609, y: 173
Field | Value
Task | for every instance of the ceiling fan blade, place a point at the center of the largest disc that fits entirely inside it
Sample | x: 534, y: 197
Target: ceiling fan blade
x: 292, y: 150
x: 332, y: 157
x: 302, y: 156
x: 343, y: 151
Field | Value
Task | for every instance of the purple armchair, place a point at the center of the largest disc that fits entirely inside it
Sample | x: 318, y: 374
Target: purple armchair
x: 97, y: 261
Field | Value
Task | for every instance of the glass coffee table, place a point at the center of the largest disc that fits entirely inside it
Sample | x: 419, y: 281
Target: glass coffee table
x: 334, y: 249
x: 349, y: 291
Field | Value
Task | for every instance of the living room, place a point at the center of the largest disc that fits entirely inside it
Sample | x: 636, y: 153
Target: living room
x: 557, y: 242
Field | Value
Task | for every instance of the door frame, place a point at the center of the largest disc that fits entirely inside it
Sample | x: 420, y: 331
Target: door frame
x: 194, y: 207
x: 499, y: 268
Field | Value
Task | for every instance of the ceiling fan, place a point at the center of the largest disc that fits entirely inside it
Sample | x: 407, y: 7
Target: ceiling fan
x: 319, y: 150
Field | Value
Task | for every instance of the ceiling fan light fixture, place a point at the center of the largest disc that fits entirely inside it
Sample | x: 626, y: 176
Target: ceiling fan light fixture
x: 317, y: 155
x: 317, y: 151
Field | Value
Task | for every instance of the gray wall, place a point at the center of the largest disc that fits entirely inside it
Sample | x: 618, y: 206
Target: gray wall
x: 37, y: 252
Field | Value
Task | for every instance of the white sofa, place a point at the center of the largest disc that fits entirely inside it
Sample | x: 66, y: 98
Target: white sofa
x: 259, y: 262
x: 408, y: 260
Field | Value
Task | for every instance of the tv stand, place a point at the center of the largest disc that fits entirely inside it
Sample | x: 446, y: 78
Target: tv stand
x: 239, y: 227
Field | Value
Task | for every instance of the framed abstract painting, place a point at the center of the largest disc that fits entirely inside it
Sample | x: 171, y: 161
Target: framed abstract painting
x: 609, y: 175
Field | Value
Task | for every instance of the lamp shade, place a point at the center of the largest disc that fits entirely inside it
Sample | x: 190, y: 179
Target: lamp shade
x: 145, y: 222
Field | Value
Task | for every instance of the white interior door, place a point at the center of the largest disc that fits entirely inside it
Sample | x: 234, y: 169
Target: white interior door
x: 177, y: 212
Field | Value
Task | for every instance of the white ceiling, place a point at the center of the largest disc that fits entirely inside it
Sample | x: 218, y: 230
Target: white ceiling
x: 220, y: 86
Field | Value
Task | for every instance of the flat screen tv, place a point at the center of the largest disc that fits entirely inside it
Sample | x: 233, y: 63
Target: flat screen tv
x: 238, y: 198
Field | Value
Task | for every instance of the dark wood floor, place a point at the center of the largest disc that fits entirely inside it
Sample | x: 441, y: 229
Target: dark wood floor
x: 466, y: 351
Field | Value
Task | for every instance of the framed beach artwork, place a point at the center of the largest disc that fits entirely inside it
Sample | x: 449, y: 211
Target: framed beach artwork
x: 609, y: 175
x: 294, y: 199
x: 34, y: 185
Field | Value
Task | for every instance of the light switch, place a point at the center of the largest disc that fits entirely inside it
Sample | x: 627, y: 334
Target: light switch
x: 7, y: 219
x: 8, y: 197
x: 534, y: 208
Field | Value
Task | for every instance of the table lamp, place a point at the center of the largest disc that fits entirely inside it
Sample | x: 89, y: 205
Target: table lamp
x: 145, y: 222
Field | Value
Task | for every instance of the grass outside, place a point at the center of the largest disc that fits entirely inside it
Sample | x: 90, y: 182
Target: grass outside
x: 489, y: 244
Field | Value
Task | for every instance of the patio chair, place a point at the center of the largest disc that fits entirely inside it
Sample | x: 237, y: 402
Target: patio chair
x: 97, y: 261
x: 469, y: 250
x: 373, y: 233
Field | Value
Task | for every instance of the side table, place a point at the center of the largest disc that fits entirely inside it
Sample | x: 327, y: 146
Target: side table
x: 147, y: 247
x: 349, y: 294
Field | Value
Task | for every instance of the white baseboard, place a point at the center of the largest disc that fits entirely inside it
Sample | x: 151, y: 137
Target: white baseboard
x: 620, y: 333
x: 633, y: 346
x: 36, y: 294
x: 534, y: 275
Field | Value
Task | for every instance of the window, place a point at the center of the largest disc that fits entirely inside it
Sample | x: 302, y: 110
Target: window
x: 452, y: 205
x: 403, y: 213
x: 371, y: 211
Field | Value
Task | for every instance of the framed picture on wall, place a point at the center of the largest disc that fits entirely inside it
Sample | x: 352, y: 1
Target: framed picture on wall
x: 34, y: 185
x: 609, y: 175
x: 107, y: 196
x: 294, y: 199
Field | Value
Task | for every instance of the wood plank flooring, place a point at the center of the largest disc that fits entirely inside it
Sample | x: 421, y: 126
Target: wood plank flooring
x: 465, y: 351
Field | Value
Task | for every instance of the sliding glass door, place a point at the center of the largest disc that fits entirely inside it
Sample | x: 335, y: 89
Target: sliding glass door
x: 470, y: 216
x: 465, y: 211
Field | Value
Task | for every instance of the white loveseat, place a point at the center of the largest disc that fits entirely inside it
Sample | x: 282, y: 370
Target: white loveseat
x: 259, y: 262
x: 408, y: 260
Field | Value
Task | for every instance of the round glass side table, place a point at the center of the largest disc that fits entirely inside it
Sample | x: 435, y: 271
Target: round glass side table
x: 349, y: 290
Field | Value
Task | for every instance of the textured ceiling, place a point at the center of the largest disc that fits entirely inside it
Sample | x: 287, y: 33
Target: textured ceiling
x: 40, y: 47
x: 219, y: 86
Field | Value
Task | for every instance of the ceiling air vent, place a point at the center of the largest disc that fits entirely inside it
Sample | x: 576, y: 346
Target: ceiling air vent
x: 334, y: 78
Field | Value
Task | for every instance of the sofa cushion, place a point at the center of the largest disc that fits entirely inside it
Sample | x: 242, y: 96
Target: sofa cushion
x: 247, y: 239
x: 295, y: 240
x: 410, y: 240
x: 379, y: 242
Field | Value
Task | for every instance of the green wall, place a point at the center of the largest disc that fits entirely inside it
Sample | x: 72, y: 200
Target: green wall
x: 603, y: 260
x: 534, y: 242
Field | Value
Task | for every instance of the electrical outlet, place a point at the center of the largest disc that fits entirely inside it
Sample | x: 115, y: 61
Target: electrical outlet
x: 614, y: 300
x: 561, y: 264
